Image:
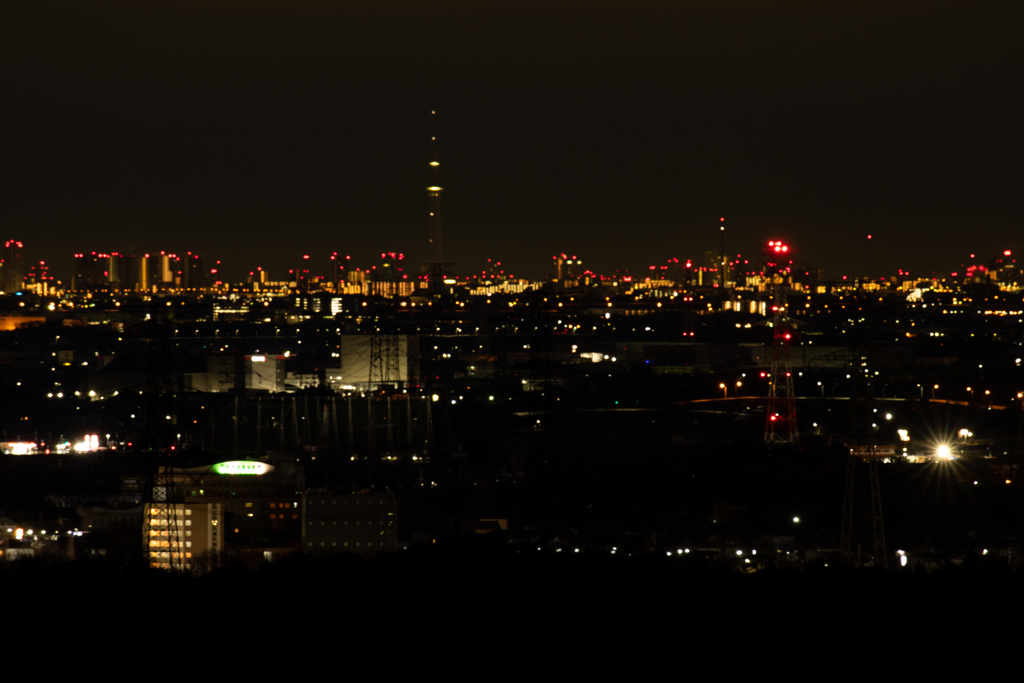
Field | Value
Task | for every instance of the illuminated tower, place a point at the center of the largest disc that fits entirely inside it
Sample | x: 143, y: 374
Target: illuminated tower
x: 780, y: 420
x: 435, y: 252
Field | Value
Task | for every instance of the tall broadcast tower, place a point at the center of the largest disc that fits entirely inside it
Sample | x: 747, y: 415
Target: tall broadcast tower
x: 435, y: 254
x: 780, y: 420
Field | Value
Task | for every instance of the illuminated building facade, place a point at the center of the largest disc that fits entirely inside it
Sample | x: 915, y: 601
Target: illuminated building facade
x: 190, y: 531
x: 260, y: 372
x: 227, y: 505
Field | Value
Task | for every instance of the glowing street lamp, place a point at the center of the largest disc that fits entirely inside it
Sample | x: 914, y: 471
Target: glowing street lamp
x: 725, y: 390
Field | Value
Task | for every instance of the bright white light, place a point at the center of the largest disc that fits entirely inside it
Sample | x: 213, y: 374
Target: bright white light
x: 21, y: 448
x: 903, y: 560
x: 944, y: 452
x: 796, y: 520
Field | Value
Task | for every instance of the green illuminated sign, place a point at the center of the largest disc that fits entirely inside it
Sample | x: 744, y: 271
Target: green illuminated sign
x: 241, y: 467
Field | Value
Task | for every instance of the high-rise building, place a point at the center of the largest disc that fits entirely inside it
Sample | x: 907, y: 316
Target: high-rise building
x: 38, y: 279
x: 92, y: 271
x: 13, y: 266
x: 194, y: 275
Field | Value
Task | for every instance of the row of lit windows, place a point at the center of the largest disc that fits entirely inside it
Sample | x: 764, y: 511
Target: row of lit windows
x: 369, y: 501
x: 368, y: 523
x: 167, y: 544
x: 160, y: 521
x: 368, y: 544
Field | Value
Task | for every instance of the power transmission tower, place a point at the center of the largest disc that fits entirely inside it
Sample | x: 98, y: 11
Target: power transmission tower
x: 865, y: 451
x: 385, y: 354
x: 163, y: 548
x: 780, y: 420
x: 850, y: 529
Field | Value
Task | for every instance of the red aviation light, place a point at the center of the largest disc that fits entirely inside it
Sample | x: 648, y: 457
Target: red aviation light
x: 1007, y: 253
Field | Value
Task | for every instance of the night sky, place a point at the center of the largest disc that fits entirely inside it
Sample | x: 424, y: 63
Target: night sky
x: 255, y: 132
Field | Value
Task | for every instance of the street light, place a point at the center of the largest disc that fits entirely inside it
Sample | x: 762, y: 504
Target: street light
x: 725, y: 391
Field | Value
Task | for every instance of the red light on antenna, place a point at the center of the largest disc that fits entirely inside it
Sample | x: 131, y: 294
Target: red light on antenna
x: 1007, y: 252
x: 722, y: 219
x: 869, y: 236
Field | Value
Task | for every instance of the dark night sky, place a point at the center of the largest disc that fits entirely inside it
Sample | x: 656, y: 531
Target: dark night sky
x: 255, y: 132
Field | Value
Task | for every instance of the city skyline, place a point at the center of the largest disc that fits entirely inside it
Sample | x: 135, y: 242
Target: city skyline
x: 622, y: 136
x: 93, y: 268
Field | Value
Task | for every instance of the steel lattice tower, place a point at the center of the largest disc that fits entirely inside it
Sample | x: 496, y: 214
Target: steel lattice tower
x: 385, y: 354
x: 780, y: 418
x: 163, y: 546
x: 780, y: 421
